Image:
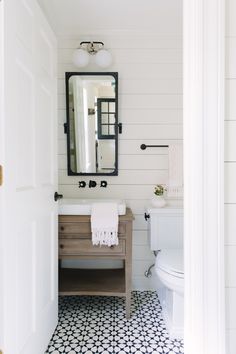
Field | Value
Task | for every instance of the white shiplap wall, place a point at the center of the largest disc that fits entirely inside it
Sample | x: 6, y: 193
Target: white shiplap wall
x: 150, y: 108
x: 230, y: 177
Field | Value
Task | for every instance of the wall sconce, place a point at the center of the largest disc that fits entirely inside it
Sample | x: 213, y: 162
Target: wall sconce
x: 81, y: 56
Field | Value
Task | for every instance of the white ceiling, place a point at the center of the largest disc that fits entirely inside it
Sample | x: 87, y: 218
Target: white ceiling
x: 74, y: 17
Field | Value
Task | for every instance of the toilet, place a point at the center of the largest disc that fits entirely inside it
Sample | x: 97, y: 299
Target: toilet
x: 165, y: 233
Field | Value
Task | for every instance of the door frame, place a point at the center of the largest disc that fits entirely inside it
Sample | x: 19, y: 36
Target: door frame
x: 204, y: 76
x: 1, y: 163
x: 204, y: 157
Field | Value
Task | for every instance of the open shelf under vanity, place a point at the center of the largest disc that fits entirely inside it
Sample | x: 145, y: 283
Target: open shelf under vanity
x: 75, y: 242
x: 104, y: 282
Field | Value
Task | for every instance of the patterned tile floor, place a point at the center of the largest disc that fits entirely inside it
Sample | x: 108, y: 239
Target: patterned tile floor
x: 97, y: 325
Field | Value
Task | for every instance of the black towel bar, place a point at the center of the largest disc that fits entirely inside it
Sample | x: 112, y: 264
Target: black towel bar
x: 144, y: 146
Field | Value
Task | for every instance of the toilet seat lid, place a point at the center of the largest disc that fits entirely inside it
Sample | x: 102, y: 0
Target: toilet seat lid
x: 171, y: 261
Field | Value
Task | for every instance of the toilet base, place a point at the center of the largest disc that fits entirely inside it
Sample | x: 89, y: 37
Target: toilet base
x: 172, y: 304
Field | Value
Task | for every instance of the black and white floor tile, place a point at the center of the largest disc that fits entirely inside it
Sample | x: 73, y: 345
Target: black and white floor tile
x: 97, y: 325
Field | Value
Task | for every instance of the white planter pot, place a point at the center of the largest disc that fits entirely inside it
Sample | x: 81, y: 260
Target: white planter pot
x: 158, y: 201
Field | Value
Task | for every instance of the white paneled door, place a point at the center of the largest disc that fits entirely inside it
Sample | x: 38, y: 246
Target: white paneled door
x: 28, y: 300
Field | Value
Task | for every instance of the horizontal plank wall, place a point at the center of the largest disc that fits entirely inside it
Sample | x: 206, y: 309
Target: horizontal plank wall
x: 230, y: 177
x: 150, y: 108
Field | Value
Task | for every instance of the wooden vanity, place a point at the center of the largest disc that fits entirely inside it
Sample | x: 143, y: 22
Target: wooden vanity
x: 75, y: 243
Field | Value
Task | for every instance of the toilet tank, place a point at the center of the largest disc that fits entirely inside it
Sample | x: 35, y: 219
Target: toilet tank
x: 165, y: 228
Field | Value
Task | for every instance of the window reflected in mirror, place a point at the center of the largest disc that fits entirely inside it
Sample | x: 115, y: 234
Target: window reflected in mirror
x: 92, y: 123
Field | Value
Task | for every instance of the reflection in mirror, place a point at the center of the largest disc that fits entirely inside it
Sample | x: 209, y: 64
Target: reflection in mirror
x: 92, y: 123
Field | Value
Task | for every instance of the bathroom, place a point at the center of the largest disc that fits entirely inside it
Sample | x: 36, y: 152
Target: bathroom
x: 145, y: 41
x: 150, y: 110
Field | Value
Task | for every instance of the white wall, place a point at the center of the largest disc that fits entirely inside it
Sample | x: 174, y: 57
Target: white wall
x: 230, y: 176
x: 150, y: 108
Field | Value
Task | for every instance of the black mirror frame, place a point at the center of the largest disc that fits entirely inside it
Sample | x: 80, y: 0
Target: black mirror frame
x: 67, y: 130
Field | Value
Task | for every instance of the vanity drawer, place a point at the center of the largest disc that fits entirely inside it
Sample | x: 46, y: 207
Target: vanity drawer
x: 74, y: 228
x: 83, y: 247
x: 83, y: 228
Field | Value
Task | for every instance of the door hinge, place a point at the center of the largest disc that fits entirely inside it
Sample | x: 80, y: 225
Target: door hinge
x: 1, y: 182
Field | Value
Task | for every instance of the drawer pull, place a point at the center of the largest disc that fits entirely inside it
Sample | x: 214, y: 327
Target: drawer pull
x: 61, y: 246
x: 111, y: 247
x: 62, y: 228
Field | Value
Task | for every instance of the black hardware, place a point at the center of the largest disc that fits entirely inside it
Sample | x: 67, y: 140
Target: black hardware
x: 144, y: 146
x: 146, y: 216
x: 88, y: 42
x: 82, y: 184
x: 91, y: 111
x: 65, y: 128
x: 91, y: 49
x: 120, y: 127
x: 57, y: 196
x: 92, y: 184
x: 103, y: 184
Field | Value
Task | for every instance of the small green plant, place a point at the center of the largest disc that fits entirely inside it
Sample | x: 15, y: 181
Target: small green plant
x: 159, y: 189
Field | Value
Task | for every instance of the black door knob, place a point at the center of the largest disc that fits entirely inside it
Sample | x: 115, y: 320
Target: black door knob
x: 57, y: 196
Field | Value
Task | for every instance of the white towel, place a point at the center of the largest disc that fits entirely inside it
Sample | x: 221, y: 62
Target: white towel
x: 175, y: 185
x: 104, y: 224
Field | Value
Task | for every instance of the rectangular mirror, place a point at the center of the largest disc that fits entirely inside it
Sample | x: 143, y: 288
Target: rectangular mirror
x: 92, y: 123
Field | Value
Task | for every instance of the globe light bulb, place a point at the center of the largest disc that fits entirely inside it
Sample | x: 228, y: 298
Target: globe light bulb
x: 103, y: 58
x: 80, y: 58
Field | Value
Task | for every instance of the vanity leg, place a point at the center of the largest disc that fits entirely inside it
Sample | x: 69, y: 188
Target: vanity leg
x: 127, y: 305
x: 128, y: 282
x: 128, y: 268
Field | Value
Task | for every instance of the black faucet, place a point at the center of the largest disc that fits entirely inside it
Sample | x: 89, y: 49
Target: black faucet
x: 92, y: 184
x: 103, y: 184
x: 82, y: 184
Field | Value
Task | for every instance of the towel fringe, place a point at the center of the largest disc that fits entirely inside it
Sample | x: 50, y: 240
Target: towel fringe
x: 105, y: 237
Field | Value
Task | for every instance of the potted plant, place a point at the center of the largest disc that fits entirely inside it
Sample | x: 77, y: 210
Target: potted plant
x: 159, y: 200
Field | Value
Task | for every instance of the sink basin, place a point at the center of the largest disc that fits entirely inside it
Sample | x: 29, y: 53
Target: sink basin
x: 83, y: 206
